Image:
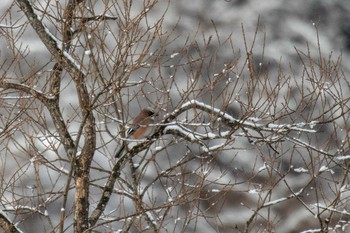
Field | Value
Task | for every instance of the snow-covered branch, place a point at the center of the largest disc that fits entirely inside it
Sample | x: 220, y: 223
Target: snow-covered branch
x: 6, y: 223
x: 265, y: 133
x: 274, y: 202
x: 249, y: 124
x: 26, y: 89
x: 29, y: 209
x: 53, y: 44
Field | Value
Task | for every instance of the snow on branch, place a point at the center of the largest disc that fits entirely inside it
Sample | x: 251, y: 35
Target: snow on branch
x: 188, y: 134
x: 65, y: 53
x: 343, y: 157
x: 276, y: 132
x: 7, y: 224
x: 270, y: 203
x: 191, y: 136
x: 230, y: 120
x: 321, y: 206
x: 26, y: 89
x: 12, y: 26
x: 27, y: 209
x: 52, y: 44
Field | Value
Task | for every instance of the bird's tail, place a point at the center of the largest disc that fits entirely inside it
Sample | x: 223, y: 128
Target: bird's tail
x: 120, y: 151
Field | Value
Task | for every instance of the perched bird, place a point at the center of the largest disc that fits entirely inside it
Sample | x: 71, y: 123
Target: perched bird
x: 140, y: 127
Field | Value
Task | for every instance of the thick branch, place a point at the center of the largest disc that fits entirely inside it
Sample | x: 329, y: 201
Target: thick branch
x: 6, y: 224
x: 107, y: 192
x: 49, y: 42
x: 26, y: 89
x: 52, y: 106
x: 81, y: 164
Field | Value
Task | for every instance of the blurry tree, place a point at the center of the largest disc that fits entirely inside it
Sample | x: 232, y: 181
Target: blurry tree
x: 237, y: 146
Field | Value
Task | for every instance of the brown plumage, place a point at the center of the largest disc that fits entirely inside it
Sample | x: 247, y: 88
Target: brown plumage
x: 140, y: 127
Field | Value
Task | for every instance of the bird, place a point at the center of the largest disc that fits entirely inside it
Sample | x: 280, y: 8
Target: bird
x: 140, y: 127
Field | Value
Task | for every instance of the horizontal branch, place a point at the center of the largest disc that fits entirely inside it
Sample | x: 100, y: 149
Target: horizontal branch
x: 231, y: 121
x: 277, y: 131
x: 26, y: 89
x: 270, y: 203
x: 52, y: 105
